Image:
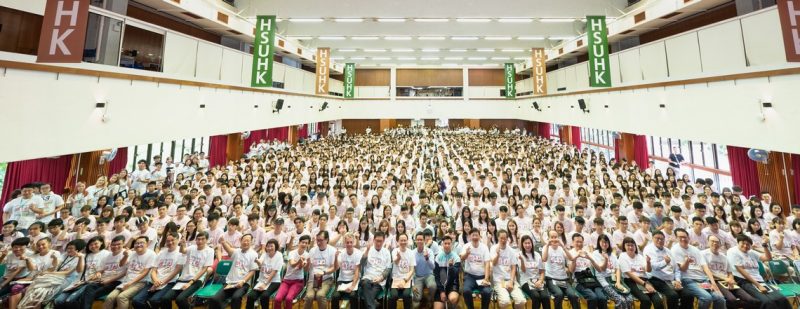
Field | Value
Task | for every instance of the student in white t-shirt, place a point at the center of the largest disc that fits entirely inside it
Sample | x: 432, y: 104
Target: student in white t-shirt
x: 349, y: 271
x: 555, y: 258
x: 504, y: 260
x: 635, y: 267
x: 403, y: 263
x: 243, y: 268
x: 475, y: 255
x: 269, y: 278
x: 169, y: 263
x: 744, y: 265
x: 378, y: 263
x: 198, y: 262
x: 323, y: 265
x: 292, y: 281
x: 139, y: 262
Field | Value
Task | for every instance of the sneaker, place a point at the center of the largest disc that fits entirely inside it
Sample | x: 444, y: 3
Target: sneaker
x: 344, y: 304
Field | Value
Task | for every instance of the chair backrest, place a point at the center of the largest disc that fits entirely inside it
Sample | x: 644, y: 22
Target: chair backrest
x: 224, y: 267
x: 778, y: 269
x: 762, y: 271
x: 2, y: 270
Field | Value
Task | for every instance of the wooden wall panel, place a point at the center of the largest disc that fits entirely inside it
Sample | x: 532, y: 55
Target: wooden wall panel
x: 774, y: 178
x: 154, y: 18
x: 359, y: 126
x: 430, y: 123
x: 429, y: 77
x: 405, y: 123
x: 373, y: 77
x: 456, y: 123
x: 503, y: 124
x: 486, y: 77
x: 19, y: 31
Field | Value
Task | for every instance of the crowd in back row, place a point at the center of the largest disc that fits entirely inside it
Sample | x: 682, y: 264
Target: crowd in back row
x: 458, y: 213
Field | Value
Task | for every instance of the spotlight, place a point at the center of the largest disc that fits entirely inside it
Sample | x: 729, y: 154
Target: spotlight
x: 606, y: 106
x: 202, y: 106
x: 662, y: 105
x: 100, y: 105
x: 255, y: 106
x: 766, y: 104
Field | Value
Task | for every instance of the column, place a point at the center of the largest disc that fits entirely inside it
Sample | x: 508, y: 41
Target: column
x: 393, y: 84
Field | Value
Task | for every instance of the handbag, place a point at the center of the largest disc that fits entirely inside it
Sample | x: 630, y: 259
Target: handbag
x: 586, y: 279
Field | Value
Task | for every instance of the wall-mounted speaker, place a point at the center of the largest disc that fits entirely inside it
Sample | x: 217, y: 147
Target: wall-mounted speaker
x: 582, y: 105
x: 278, y: 106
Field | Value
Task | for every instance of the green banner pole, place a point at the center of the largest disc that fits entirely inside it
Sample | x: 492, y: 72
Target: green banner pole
x: 510, y: 75
x: 599, y: 64
x: 263, y: 46
x: 349, y: 80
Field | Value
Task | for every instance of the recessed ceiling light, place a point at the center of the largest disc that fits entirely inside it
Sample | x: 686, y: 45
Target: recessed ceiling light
x: 431, y: 20
x: 473, y: 20
x: 512, y: 50
x: 374, y: 50
x: 388, y: 64
x: 337, y: 58
x: 346, y: 50
x: 402, y: 50
x: 530, y: 38
x: 431, y: 38
x: 397, y: 38
x: 349, y: 20
x: 464, y: 38
x: 500, y: 58
x: 364, y: 38
x: 498, y: 38
x: 515, y: 20
x: 380, y: 58
x: 556, y: 20
x: 561, y: 38
x: 450, y: 64
x: 430, y: 50
x: 406, y: 58
x: 458, y: 50
x: 476, y: 58
x: 521, y: 58
x: 331, y: 38
x: 429, y: 58
x: 368, y: 65
x: 391, y: 20
x: 300, y: 37
x: 491, y: 64
x: 357, y: 58
x: 485, y: 50
x: 453, y: 58
x: 408, y: 64
x: 306, y: 20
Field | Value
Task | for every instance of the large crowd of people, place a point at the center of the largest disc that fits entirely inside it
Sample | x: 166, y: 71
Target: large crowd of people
x: 432, y: 217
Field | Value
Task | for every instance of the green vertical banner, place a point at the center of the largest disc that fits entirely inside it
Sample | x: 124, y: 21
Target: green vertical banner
x: 509, y: 77
x: 263, y: 45
x: 349, y: 80
x: 599, y: 65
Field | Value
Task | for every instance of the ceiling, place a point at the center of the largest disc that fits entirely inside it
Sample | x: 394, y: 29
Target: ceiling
x: 461, y: 32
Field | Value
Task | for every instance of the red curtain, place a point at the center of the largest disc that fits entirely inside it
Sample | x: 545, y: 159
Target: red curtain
x: 322, y: 127
x: 796, y: 169
x: 640, y: 154
x: 302, y: 131
x: 255, y: 137
x: 743, y: 170
x: 281, y: 134
x: 52, y: 171
x: 217, y: 150
x: 576, y: 137
x: 544, y: 129
x: 120, y: 162
x: 617, y: 150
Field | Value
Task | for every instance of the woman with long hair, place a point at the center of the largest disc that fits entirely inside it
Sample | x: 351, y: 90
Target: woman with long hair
x: 532, y: 275
x: 610, y: 274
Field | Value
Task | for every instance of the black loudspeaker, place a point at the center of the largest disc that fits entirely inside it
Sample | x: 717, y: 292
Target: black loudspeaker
x: 582, y: 105
x: 536, y: 106
x: 324, y: 106
x: 278, y: 106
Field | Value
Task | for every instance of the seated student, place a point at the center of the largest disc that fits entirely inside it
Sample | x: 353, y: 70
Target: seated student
x: 664, y: 274
x: 532, y: 274
x: 10, y: 233
x: 49, y: 283
x: 609, y: 274
x: 403, y: 264
x: 423, y: 270
x: 555, y: 258
x: 349, y: 265
x: 44, y: 260
x: 583, y: 269
x: 635, y: 269
x: 476, y: 270
x: 719, y: 266
x: 93, y: 264
x: 198, y: 262
x: 378, y: 263
x: 19, y: 264
x: 168, y: 265
x: 139, y: 263
x: 323, y: 265
x: 448, y: 266
x: 292, y: 281
x: 35, y: 232
x: 695, y: 273
x: 269, y: 279
x: 58, y: 234
x: 504, y: 260
x: 745, y: 273
x: 242, y: 269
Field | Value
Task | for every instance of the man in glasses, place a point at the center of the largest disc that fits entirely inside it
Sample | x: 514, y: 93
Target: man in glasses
x: 139, y: 263
x: 323, y: 264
